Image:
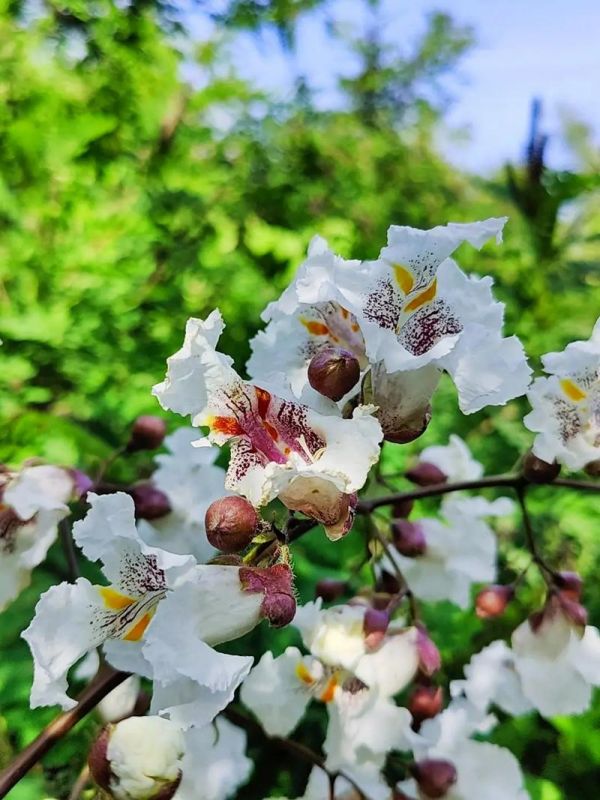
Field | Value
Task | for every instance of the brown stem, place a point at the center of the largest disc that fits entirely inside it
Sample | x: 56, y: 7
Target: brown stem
x: 546, y: 571
x: 512, y: 480
x: 82, y: 781
x: 295, y: 748
x: 404, y: 589
x: 105, y: 681
x: 68, y: 546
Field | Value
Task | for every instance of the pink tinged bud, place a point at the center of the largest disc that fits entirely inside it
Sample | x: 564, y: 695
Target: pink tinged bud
x: 276, y: 584
x: 493, y: 600
x: 147, y: 433
x: 426, y: 474
x: 434, y: 776
x: 569, y: 584
x: 333, y: 371
x: 425, y: 703
x: 330, y: 589
x: 98, y: 761
x: 375, y: 625
x: 82, y: 483
x: 535, y: 470
x: 149, y: 502
x: 402, y: 509
x: 231, y: 524
x: 574, y: 612
x: 430, y: 660
x: 409, y: 538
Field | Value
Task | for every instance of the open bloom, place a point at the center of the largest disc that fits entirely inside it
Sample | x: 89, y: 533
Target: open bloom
x: 191, y: 481
x: 412, y: 310
x: 460, y: 549
x: 215, y: 764
x: 160, y: 617
x: 482, y: 769
x: 32, y: 503
x: 557, y: 665
x: 279, y: 448
x: 566, y: 406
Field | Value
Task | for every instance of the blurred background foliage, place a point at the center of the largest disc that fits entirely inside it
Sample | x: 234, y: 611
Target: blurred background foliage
x: 131, y: 199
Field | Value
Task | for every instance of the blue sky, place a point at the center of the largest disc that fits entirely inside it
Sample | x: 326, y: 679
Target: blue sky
x: 525, y: 48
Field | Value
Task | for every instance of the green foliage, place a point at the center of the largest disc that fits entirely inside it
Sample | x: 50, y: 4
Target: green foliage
x: 125, y: 209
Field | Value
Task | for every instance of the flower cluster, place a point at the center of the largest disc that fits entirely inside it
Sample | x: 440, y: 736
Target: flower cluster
x: 197, y: 555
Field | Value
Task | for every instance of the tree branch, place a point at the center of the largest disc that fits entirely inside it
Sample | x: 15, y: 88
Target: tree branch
x: 512, y: 480
x: 105, y: 681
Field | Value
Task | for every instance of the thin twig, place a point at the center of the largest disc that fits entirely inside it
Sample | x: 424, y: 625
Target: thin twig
x: 82, y: 781
x: 547, y: 572
x: 512, y: 480
x: 105, y: 681
x: 404, y: 588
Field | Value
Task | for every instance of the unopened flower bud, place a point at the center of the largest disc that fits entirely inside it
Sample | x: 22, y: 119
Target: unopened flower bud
x: 147, y: 433
x: 276, y: 585
x: 388, y: 583
x: 82, y: 483
x: 405, y: 432
x: 138, y: 759
x: 333, y: 371
x: 330, y: 589
x: 425, y: 702
x: 426, y: 474
x: 402, y: 508
x: 149, y: 502
x: 492, y: 600
x: 375, y: 625
x: 434, y: 776
x: 593, y: 468
x: 231, y: 524
x: 574, y: 612
x: 409, y: 538
x: 430, y: 660
x: 569, y: 584
x: 535, y: 470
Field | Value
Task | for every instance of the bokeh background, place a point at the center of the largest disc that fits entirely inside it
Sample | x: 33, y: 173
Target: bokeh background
x: 158, y: 159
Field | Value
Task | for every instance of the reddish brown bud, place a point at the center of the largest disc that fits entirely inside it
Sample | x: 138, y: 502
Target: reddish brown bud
x: 388, y: 583
x: 409, y: 538
x: 570, y: 585
x: 426, y: 474
x: 147, y: 433
x: 429, y: 656
x: 231, y: 524
x: 98, y: 760
x: 333, y: 371
x: 375, y: 625
x: 535, y: 470
x: 593, y: 469
x: 425, y: 702
x: 402, y: 508
x: 434, y: 776
x: 492, y: 600
x: 330, y: 589
x: 149, y: 502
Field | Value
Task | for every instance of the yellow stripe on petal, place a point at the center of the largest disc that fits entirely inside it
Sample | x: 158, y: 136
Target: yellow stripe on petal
x: 424, y: 297
x: 403, y: 278
x: 139, y: 629
x: 572, y: 391
x: 303, y: 674
x: 329, y: 691
x: 115, y: 600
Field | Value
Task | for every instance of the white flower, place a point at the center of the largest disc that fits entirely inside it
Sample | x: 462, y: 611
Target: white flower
x: 159, y: 617
x: 145, y: 756
x: 32, y: 503
x: 566, y: 406
x: 454, y: 460
x: 411, y: 308
x: 336, y: 636
x: 491, y: 677
x: 215, y: 764
x: 191, y: 481
x: 484, y: 770
x: 557, y: 667
x: 460, y: 550
x: 279, y: 448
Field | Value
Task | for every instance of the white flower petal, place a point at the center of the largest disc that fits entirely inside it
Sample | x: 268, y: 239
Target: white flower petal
x: 454, y: 459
